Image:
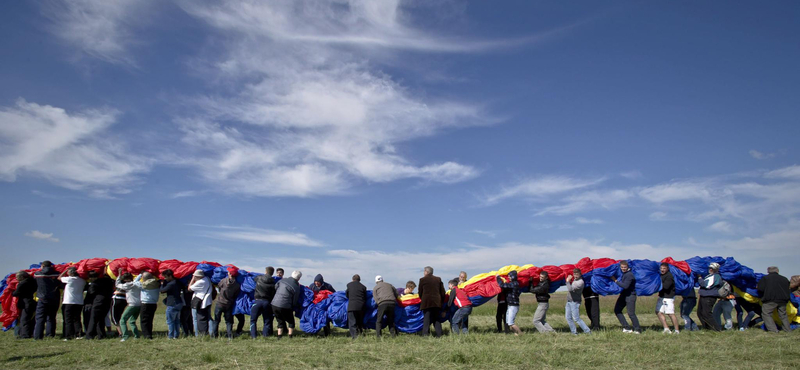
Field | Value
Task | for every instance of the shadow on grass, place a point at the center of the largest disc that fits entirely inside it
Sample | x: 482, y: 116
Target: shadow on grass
x: 44, y: 355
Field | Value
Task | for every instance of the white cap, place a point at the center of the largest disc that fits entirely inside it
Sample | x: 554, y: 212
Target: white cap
x: 378, y: 278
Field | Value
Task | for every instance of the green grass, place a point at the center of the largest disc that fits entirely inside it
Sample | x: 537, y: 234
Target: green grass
x: 482, y: 348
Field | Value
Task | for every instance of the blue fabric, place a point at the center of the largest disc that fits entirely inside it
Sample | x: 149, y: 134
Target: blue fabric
x: 601, y: 280
x: 4, y: 283
x: 207, y: 269
x: 648, y: 276
x: 683, y: 282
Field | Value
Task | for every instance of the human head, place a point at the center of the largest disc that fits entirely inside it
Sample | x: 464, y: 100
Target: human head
x: 270, y: 270
x: 462, y: 276
x: 197, y: 273
x: 168, y: 275
x: 543, y: 276
x: 92, y: 275
x: 453, y: 283
x: 576, y: 274
x: 410, y: 285
x: 72, y: 271
x: 319, y: 280
x: 772, y: 269
x: 664, y: 268
x: 147, y: 275
x: 512, y: 275
x: 279, y: 272
x: 356, y: 277
x: 378, y: 279
x: 297, y: 275
x: 47, y: 264
x: 623, y: 265
x: 428, y: 270
x: 713, y: 267
x: 233, y: 272
x: 22, y: 275
x: 128, y: 277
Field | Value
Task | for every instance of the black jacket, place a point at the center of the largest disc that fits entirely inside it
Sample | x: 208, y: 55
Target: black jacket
x: 356, y: 296
x: 774, y: 288
x: 323, y: 286
x: 431, y: 292
x: 628, y: 284
x: 47, y: 285
x: 512, y: 291
x: 173, y: 291
x: 101, y: 289
x: 542, y: 291
x: 25, y: 289
x: 588, y: 293
x: 265, y: 287
x: 667, y: 286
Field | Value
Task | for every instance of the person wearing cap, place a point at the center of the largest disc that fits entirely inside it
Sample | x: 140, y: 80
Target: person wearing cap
x: 226, y: 301
x: 356, y: 306
x: 459, y: 299
x: 385, y: 296
x: 432, y: 298
x: 318, y: 285
x: 174, y: 302
x: 202, y: 296
x: 512, y: 299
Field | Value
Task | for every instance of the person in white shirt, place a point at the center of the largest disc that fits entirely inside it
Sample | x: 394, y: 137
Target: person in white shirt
x: 73, y: 302
x: 202, y: 297
x: 133, y: 297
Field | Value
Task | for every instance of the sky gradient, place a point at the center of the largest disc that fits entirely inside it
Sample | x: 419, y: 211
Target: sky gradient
x: 378, y: 137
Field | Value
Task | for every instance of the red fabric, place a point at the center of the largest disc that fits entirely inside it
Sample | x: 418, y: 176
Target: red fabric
x: 585, y: 264
x: 91, y: 264
x: 186, y: 269
x: 137, y: 266
x: 410, y: 302
x: 567, y: 270
x: 119, y: 263
x: 212, y: 263
x: 555, y: 272
x: 321, y: 296
x: 486, y: 287
x: 173, y: 265
x: 525, y: 276
x: 603, y: 262
x: 681, y: 265
x: 9, y: 302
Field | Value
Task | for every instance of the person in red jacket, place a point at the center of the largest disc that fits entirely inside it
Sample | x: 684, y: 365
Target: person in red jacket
x: 459, y: 298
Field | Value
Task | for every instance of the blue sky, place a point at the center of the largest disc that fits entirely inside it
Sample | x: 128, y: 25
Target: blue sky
x: 380, y: 137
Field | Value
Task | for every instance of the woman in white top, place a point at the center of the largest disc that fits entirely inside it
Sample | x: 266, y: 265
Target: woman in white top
x: 133, y: 297
x: 201, y: 300
x: 73, y: 302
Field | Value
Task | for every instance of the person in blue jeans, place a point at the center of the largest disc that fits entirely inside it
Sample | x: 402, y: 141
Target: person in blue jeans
x: 463, y: 305
x: 262, y: 306
x: 575, y: 286
x: 687, y: 306
x: 627, y: 299
x: 174, y: 302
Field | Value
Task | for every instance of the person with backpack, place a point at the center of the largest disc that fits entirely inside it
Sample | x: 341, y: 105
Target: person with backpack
x: 542, y: 292
x: 512, y: 297
x: 459, y: 299
x: 709, y: 293
x: 627, y: 299
x: 775, y: 294
x: 724, y: 307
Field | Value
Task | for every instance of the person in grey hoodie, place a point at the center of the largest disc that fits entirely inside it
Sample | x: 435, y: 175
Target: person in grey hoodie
x: 573, y: 309
x: 288, y: 296
x: 385, y: 296
x: 627, y: 299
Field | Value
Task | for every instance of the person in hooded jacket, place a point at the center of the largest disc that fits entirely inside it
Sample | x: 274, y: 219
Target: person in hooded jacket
x: 288, y: 297
x: 627, y: 299
x: 542, y: 292
x: 47, y: 286
x: 385, y: 296
x: 356, y: 306
x: 318, y: 285
x: 512, y: 298
x: 226, y: 301
x: 709, y: 293
x: 26, y: 305
x: 102, y: 288
x: 264, y: 293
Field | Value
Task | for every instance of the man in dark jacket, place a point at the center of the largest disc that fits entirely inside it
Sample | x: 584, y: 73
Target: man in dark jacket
x: 356, y: 306
x: 26, y: 305
x: 288, y: 296
x: 385, y: 296
x: 665, y: 306
x: 226, y: 301
x: 591, y: 303
x: 47, y: 308
x: 542, y: 292
x: 101, y: 288
x: 318, y: 285
x: 432, y: 298
x: 265, y: 291
x: 774, y: 290
x: 627, y: 298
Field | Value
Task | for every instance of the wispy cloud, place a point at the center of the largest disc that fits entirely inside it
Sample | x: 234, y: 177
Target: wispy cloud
x: 186, y: 194
x: 68, y: 149
x: 583, y: 220
x: 36, y: 234
x: 491, y: 234
x: 539, y: 188
x: 604, y: 199
x: 760, y: 155
x: 721, y: 227
x: 658, y: 216
x: 256, y: 235
x: 791, y: 172
x: 631, y: 175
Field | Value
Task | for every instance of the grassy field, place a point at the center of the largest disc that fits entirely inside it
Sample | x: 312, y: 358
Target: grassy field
x: 482, y: 348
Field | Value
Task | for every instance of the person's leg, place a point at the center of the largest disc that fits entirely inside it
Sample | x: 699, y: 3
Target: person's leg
x: 150, y: 310
x: 268, y: 316
x: 41, y: 318
x: 194, y: 322
x: 171, y: 321
x: 727, y: 310
x: 216, y: 320
x: 499, y: 316
x: 784, y: 318
x: 465, y: 324
x: 569, y: 316
x: 456, y: 321
x: 511, y: 317
x: 545, y: 324
x: 739, y: 313
x: 767, y: 308
x: 631, y: 307
x: 186, y: 320
x: 105, y: 308
x: 255, y: 312
x: 229, y: 320
x: 352, y: 324
x: 618, y: 307
x: 390, y: 316
x: 239, y: 322
x: 426, y: 322
x: 123, y: 323
x: 538, y: 315
x: 177, y: 319
x: 660, y: 313
x: 379, y: 319
x: 577, y: 317
x: 747, y: 319
x: 437, y: 325
x: 203, y: 319
x: 289, y: 318
x: 279, y: 318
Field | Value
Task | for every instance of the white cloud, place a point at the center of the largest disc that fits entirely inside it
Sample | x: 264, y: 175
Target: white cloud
x: 186, y: 194
x: 658, y: 216
x: 540, y: 188
x: 491, y: 234
x: 631, y: 175
x: 791, y: 172
x: 605, y: 199
x: 759, y: 155
x: 583, y: 220
x: 721, y: 227
x: 676, y: 191
x: 43, y: 236
x: 68, y: 149
x: 256, y: 235
x: 98, y: 28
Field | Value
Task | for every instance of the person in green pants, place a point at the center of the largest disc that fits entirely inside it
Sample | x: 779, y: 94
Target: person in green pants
x: 133, y: 296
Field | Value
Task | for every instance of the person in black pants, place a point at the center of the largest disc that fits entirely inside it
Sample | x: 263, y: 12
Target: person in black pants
x: 709, y: 288
x: 356, y: 306
x: 26, y: 305
x: 432, y: 298
x: 627, y: 299
x: 102, y: 288
x: 47, y: 286
x: 500, y: 316
x: 264, y: 293
x: 187, y: 323
x: 72, y: 304
x: 592, y: 306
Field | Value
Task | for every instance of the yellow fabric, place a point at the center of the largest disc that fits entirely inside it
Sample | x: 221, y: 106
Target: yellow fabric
x: 791, y: 310
x: 503, y: 271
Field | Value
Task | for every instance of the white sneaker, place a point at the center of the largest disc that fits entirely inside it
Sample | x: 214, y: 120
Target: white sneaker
x: 122, y: 340
x: 636, y: 332
x: 676, y: 332
x: 667, y: 331
x: 627, y: 331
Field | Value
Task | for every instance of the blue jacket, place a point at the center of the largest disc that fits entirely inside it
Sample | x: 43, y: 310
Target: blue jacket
x: 709, y: 285
x: 48, y: 285
x: 628, y: 284
x: 512, y: 290
x: 173, y: 291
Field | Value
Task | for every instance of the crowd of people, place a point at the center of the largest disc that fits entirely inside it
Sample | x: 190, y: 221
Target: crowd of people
x: 94, y: 307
